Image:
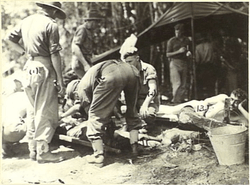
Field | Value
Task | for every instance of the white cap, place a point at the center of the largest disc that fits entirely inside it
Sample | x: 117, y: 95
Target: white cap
x: 128, y: 46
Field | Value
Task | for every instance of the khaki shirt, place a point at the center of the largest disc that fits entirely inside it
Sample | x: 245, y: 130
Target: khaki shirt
x: 175, y: 44
x: 84, y: 39
x: 39, y: 33
x: 147, y: 73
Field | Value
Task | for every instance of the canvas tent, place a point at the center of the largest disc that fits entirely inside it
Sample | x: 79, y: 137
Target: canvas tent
x: 205, y: 16
x: 197, y: 17
x: 201, y: 15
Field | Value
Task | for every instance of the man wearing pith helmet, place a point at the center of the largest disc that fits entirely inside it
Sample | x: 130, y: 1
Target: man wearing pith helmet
x: 41, y: 45
x: 82, y: 44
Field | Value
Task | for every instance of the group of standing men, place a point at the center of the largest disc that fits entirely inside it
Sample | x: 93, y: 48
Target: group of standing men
x: 217, y: 63
x: 98, y: 90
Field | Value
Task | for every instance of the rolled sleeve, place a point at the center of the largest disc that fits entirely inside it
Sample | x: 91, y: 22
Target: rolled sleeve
x: 78, y: 38
x: 54, y: 45
x: 151, y: 74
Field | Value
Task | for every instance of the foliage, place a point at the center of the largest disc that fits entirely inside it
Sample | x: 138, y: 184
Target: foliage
x: 120, y: 20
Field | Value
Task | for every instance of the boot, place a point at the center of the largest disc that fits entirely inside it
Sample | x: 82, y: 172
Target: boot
x: 32, y: 149
x: 97, y: 158
x: 134, y: 148
x: 43, y: 154
x: 133, y: 135
x: 138, y: 151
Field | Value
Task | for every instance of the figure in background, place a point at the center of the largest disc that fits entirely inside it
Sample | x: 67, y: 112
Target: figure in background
x: 41, y: 43
x: 207, y: 66
x: 148, y: 99
x: 98, y: 92
x: 72, y: 104
x: 82, y: 44
x: 230, y: 60
x: 13, y: 118
x: 178, y: 53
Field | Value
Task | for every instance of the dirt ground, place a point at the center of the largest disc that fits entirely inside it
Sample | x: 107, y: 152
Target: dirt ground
x: 162, y: 166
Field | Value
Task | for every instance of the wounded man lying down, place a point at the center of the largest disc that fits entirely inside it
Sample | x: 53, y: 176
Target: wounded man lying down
x: 213, y: 108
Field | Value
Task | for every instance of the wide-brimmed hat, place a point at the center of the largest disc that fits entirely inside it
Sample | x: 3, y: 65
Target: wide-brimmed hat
x: 93, y: 14
x: 57, y: 5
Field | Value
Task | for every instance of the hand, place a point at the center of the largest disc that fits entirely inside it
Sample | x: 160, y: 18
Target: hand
x: 76, y: 131
x: 240, y: 105
x: 87, y: 67
x: 60, y: 88
x: 123, y: 109
x: 144, y: 111
x: 182, y: 49
x: 60, y: 118
x: 184, y: 118
x: 222, y: 58
x: 188, y: 53
x: 62, y: 91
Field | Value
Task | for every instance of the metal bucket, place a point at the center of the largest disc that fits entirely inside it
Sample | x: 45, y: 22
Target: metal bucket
x: 229, y: 144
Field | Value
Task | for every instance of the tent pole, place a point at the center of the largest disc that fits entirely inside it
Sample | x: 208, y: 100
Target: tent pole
x: 193, y: 55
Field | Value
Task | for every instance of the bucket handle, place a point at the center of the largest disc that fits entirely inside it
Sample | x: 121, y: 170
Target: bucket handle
x: 209, y: 128
x: 237, y: 124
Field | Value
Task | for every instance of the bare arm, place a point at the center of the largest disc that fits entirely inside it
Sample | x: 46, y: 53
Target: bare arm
x: 71, y: 111
x: 151, y: 95
x: 76, y: 50
x: 56, y: 62
x: 243, y: 111
x: 215, y: 99
x: 216, y: 104
x: 181, y: 50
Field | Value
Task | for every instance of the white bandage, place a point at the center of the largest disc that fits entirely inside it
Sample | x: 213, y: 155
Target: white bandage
x: 128, y: 46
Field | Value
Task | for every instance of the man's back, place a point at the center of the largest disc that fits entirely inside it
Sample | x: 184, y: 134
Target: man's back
x: 40, y: 35
x: 84, y: 39
x: 205, y: 53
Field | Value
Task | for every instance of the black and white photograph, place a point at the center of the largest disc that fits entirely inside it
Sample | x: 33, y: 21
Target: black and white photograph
x: 124, y: 93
